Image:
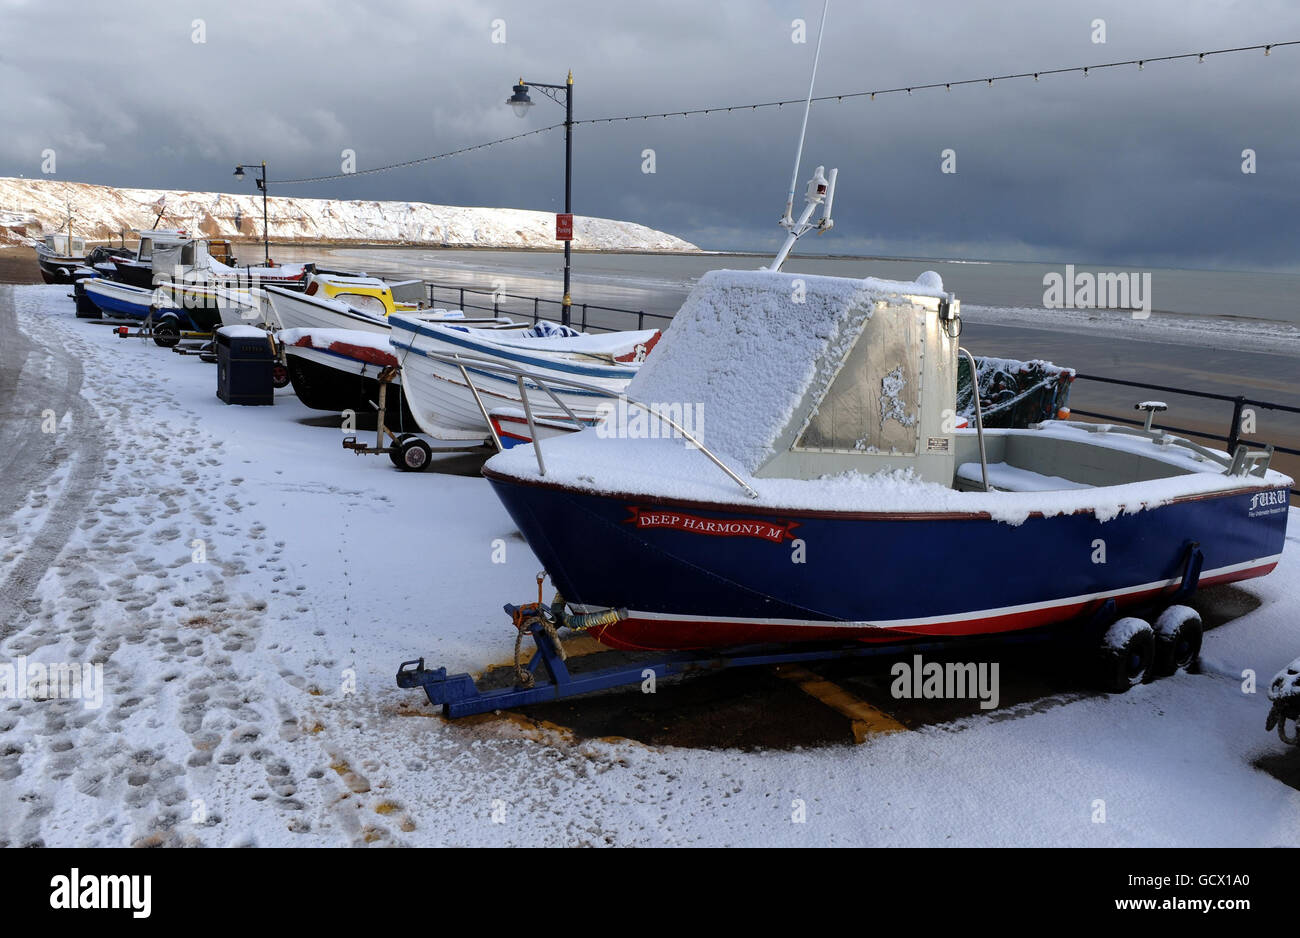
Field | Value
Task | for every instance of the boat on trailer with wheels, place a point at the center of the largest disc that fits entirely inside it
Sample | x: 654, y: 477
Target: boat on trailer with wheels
x: 830, y: 506
x: 827, y: 510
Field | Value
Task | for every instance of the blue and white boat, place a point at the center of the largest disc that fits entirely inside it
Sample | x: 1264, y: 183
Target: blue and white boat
x: 124, y: 301
x: 452, y: 399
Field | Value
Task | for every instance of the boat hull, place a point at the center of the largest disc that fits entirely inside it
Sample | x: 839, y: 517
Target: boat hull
x: 293, y: 311
x: 57, y: 268
x: 697, y: 575
x: 325, y: 379
x: 117, y: 300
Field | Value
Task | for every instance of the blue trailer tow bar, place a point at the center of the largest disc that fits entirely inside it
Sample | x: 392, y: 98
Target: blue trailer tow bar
x: 459, y: 695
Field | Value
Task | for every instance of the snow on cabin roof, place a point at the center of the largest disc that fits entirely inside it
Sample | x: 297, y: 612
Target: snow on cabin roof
x: 748, y: 345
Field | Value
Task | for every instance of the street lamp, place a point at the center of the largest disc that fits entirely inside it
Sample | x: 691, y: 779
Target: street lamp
x: 520, y: 102
x: 261, y: 184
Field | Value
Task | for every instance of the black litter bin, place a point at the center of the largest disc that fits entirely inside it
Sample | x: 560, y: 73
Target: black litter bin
x: 245, y: 360
x: 86, y: 309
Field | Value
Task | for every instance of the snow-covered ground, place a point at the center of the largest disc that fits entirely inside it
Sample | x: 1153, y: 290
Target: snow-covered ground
x: 102, y: 212
x: 249, y: 699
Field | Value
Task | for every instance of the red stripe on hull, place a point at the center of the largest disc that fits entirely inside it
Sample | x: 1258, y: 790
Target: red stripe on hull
x: 635, y: 634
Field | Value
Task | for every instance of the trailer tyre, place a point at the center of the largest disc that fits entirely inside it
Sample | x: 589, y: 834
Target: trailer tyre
x: 166, y: 334
x: 279, y: 375
x: 1127, y: 653
x: 1178, y: 639
x: 413, y: 454
x: 395, y: 450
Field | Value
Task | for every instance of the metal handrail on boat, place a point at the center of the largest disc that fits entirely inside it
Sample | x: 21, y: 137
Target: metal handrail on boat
x: 1242, y: 461
x: 545, y: 383
x: 979, y: 414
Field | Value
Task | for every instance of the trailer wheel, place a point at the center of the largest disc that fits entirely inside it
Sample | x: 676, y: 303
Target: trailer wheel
x: 395, y: 449
x: 279, y: 375
x: 1178, y: 639
x: 166, y: 334
x: 1127, y: 652
x: 413, y: 454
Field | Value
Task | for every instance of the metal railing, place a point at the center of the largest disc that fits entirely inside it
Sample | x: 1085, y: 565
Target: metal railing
x: 549, y: 384
x: 494, y: 300
x: 1239, y: 402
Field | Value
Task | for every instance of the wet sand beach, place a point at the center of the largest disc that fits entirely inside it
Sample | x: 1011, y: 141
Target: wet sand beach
x: 18, y: 265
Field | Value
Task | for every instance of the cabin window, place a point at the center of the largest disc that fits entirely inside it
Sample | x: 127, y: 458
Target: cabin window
x: 146, y: 249
x: 873, y: 403
x: 187, y: 255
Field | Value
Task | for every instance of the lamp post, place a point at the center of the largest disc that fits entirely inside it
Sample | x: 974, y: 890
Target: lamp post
x: 261, y: 184
x: 520, y: 102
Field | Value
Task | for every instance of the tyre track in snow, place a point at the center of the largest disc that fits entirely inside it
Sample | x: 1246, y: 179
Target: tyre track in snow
x: 187, y: 717
x: 36, y: 376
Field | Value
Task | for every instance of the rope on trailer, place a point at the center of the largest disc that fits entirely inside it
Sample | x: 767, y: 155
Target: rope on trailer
x: 526, y: 617
x: 529, y: 616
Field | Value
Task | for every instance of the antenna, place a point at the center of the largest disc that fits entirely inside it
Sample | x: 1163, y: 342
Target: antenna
x: 821, y: 187
x: 786, y: 219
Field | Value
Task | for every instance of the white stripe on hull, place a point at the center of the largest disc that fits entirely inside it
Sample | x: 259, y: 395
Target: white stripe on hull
x: 953, y: 617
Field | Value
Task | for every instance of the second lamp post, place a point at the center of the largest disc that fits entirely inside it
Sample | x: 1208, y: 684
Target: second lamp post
x: 521, y: 103
x: 261, y: 184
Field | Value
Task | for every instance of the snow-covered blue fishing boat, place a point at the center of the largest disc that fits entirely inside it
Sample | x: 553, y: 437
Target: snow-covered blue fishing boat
x: 850, y: 507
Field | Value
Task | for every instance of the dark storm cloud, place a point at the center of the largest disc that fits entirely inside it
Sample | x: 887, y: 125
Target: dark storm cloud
x: 1120, y: 167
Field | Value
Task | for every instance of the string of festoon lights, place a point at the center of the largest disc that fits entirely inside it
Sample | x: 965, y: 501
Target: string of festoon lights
x: 1139, y: 64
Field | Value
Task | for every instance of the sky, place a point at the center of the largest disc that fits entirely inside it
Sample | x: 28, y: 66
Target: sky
x: 1124, y: 167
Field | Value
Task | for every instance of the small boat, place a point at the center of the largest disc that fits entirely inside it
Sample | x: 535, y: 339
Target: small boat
x: 137, y: 269
x: 847, y: 510
x: 445, y: 395
x: 60, y: 257
x: 123, y: 301
x: 171, y: 255
x: 312, y: 310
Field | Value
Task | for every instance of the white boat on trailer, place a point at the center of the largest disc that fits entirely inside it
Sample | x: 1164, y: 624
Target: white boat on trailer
x: 451, y: 396
x: 298, y: 310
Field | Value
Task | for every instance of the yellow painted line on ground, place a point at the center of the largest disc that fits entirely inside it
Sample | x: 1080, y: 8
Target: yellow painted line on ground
x: 864, y: 719
x: 575, y: 646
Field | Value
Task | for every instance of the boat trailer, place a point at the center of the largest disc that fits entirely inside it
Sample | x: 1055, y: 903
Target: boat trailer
x: 460, y: 695
x: 408, y: 451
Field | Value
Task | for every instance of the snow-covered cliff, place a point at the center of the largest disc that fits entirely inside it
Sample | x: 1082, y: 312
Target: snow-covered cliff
x: 103, y: 212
